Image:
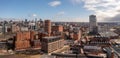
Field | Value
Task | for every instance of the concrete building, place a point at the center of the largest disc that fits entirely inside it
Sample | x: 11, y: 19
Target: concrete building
x: 23, y: 28
x: 0, y: 29
x: 50, y: 44
x: 93, y: 24
x: 100, y: 40
x: 104, y: 28
x: 32, y: 26
x: 15, y: 28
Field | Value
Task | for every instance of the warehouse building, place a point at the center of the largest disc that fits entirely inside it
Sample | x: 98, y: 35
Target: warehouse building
x: 50, y: 44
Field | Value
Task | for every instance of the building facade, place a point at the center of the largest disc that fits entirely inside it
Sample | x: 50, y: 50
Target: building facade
x: 47, y: 27
x: 50, y: 44
x: 93, y: 24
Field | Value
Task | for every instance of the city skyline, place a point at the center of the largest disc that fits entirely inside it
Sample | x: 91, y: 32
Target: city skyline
x: 59, y: 28
x: 48, y: 39
x: 60, y: 10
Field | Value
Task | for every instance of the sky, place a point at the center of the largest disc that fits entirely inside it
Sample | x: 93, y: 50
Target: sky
x: 60, y: 10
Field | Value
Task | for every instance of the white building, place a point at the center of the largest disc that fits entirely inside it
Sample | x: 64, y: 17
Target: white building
x: 1, y: 29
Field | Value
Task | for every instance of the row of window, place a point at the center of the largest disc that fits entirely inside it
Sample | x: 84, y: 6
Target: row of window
x: 50, y: 40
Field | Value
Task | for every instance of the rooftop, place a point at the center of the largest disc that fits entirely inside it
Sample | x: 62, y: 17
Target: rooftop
x: 51, y: 37
x: 108, y: 34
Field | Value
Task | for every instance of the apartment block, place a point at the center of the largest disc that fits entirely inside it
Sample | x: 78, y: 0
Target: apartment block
x: 50, y: 44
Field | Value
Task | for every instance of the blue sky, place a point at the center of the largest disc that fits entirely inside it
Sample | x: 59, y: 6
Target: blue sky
x: 42, y: 9
x: 75, y: 10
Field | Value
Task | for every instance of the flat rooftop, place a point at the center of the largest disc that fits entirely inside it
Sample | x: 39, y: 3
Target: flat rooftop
x: 108, y: 34
x: 51, y: 37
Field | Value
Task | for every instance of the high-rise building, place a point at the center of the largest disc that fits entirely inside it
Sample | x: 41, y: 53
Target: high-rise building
x: 4, y: 27
x: 26, y: 20
x: 47, y: 27
x: 93, y: 24
x: 36, y: 27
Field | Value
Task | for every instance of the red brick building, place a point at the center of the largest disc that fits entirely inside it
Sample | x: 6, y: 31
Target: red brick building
x: 77, y: 35
x: 23, y: 44
x: 32, y: 35
x: 23, y: 35
x: 58, y: 28
x: 47, y: 26
x: 15, y: 28
x: 26, y: 39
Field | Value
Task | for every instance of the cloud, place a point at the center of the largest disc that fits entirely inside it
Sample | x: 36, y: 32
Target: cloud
x: 104, y: 9
x: 34, y: 15
x: 115, y: 18
x: 54, y: 3
x: 76, y: 1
